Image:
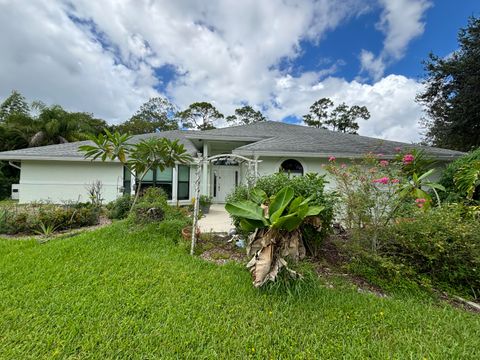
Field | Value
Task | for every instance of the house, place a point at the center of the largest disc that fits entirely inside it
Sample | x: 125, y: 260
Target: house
x: 60, y: 173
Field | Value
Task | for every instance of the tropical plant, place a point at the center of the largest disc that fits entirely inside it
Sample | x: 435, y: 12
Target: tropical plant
x: 309, y: 185
x: 467, y: 179
x: 453, y: 193
x: 276, y: 235
x: 139, y: 158
x: 416, y: 186
x: 46, y: 230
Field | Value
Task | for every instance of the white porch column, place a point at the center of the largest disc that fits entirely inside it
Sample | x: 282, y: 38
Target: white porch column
x: 174, y: 184
x: 205, y: 174
x: 133, y: 184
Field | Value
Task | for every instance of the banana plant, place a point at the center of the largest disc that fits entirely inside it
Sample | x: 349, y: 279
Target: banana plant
x: 274, y: 223
x: 284, y: 211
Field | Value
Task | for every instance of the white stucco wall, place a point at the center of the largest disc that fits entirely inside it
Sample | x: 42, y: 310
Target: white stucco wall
x: 270, y: 165
x: 59, y: 181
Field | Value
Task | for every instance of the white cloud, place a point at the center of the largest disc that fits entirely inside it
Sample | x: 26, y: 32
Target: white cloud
x: 101, y: 57
x: 45, y: 56
x: 401, y: 21
x: 394, y: 113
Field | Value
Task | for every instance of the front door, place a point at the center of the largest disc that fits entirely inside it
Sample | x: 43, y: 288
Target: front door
x: 224, y: 179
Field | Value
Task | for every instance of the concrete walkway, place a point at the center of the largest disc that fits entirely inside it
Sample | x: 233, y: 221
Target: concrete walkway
x: 217, y: 220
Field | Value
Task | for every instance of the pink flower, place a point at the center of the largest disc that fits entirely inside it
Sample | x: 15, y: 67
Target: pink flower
x: 420, y: 202
x: 383, y: 180
x: 398, y: 149
x: 380, y: 155
x: 332, y: 158
x: 383, y: 163
x: 394, y: 181
x: 407, y: 159
x: 343, y: 166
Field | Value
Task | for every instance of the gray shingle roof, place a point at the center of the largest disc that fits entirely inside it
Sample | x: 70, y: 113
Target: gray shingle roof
x: 266, y: 138
x: 276, y: 137
x: 69, y: 151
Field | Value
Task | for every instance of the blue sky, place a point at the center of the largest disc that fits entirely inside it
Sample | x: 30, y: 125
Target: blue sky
x: 108, y: 57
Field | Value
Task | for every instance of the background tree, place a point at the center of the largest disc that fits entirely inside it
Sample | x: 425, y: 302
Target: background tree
x: 342, y: 118
x: 23, y: 126
x: 200, y: 116
x: 14, y: 104
x: 318, y: 113
x: 452, y: 93
x: 245, y: 115
x: 157, y: 114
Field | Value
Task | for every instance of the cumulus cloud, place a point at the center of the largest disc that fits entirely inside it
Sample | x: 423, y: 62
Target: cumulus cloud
x: 46, y: 56
x: 105, y: 57
x: 401, y: 21
x: 394, y: 114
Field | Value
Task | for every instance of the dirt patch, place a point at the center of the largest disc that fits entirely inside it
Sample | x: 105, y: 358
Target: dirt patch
x: 459, y: 303
x: 219, y: 250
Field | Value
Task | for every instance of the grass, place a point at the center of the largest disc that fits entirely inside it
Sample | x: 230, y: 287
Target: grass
x: 120, y: 293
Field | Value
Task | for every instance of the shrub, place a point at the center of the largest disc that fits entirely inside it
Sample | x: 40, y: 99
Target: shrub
x: 29, y: 219
x: 172, y: 228
x: 452, y: 193
x: 441, y: 245
x: 310, y: 184
x: 151, y: 207
x: 119, y: 208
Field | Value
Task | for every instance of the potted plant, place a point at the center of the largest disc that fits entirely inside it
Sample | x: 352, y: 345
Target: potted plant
x: 205, y: 202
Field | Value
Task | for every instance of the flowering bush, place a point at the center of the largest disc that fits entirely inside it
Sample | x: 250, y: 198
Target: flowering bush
x: 376, y: 191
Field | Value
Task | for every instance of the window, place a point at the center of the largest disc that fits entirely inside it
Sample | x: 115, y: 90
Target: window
x: 127, y: 181
x: 164, y: 180
x: 161, y: 179
x: 292, y: 166
x: 183, y: 182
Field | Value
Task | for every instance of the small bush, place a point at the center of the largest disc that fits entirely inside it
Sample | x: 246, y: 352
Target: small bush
x: 172, y: 228
x: 151, y: 207
x: 119, y: 208
x: 441, y: 247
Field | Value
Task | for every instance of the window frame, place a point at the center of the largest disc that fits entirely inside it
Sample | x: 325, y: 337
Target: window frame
x: 183, y: 182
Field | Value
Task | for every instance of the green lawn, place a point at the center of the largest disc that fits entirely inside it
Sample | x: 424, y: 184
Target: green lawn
x: 115, y: 293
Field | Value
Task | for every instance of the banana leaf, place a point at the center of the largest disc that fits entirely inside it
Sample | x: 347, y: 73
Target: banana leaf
x: 258, y: 196
x: 246, y: 209
x: 280, y: 202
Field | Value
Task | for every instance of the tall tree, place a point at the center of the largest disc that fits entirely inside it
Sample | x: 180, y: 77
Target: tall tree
x: 157, y: 114
x: 245, y: 115
x: 200, y: 116
x: 342, y: 118
x: 318, y: 113
x: 14, y: 104
x: 452, y: 93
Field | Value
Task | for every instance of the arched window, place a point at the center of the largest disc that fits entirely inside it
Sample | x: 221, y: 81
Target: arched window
x: 292, y: 166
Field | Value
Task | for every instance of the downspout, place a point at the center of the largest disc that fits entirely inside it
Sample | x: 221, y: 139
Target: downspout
x: 14, y: 165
